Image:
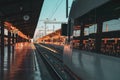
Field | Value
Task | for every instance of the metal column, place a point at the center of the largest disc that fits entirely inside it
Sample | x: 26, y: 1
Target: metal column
x: 2, y: 50
x: 98, y: 39
x: 9, y: 50
x: 13, y: 38
x: 9, y: 41
x: 81, y: 36
x: 2, y: 39
x: 16, y: 38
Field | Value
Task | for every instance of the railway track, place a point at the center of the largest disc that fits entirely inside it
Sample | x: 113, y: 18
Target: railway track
x: 54, y: 62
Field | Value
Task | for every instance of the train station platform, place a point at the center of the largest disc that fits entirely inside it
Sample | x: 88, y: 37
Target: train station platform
x: 89, y: 65
x: 28, y: 61
x: 93, y: 66
x: 21, y: 63
x: 92, y: 26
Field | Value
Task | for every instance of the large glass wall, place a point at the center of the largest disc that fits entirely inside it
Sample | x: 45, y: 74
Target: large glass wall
x: 111, y: 45
x: 103, y: 28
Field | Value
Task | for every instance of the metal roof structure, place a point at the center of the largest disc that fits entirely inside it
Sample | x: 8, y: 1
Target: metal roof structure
x: 94, y: 11
x: 23, y: 14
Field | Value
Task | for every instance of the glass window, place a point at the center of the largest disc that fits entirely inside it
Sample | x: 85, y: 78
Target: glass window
x: 76, y: 33
x: 93, y: 29
x: 111, y: 25
x: 86, y: 31
x: 5, y: 31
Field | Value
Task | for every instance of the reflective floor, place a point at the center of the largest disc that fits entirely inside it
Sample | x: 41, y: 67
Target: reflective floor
x: 19, y: 63
x: 92, y: 66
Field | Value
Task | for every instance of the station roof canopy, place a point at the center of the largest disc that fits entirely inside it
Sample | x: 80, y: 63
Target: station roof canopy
x: 23, y: 14
x: 94, y: 11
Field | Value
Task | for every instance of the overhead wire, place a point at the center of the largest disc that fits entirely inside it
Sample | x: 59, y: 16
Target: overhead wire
x: 57, y: 3
x: 56, y: 9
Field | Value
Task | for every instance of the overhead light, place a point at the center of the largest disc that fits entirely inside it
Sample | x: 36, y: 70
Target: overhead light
x: 26, y: 17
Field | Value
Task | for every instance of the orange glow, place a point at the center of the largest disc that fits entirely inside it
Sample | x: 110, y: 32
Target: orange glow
x: 13, y: 29
x: 22, y: 49
x: 22, y: 35
x: 53, y: 38
x: 116, y: 40
x: 105, y: 40
x: 76, y: 27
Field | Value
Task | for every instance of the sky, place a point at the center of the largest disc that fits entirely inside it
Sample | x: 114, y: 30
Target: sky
x: 52, y: 10
x: 56, y: 10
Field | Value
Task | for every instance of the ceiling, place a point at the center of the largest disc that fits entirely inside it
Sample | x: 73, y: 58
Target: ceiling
x: 105, y: 12
x: 23, y: 14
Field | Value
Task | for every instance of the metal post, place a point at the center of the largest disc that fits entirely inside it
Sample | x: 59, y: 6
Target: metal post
x: 53, y: 28
x: 16, y: 38
x: 81, y: 36
x: 98, y: 39
x: 45, y: 28
x: 2, y: 38
x: 66, y: 8
x: 9, y: 41
x: 13, y: 41
x: 69, y: 32
x: 9, y: 49
x: 2, y: 50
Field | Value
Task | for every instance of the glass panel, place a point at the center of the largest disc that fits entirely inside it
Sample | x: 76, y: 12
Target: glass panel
x: 93, y: 29
x: 111, y: 25
x: 5, y: 31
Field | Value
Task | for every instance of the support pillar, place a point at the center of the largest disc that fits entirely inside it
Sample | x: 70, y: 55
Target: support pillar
x: 13, y: 38
x: 16, y: 38
x: 9, y: 50
x: 81, y: 36
x: 2, y: 37
x: 9, y: 42
x: 13, y: 41
x: 98, y: 39
x: 2, y: 50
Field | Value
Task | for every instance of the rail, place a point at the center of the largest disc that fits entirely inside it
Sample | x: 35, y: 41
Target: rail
x: 56, y: 59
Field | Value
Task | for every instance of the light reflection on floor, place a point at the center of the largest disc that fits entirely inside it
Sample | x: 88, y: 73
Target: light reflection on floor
x: 92, y: 66
x: 18, y: 63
